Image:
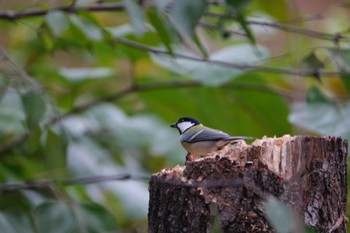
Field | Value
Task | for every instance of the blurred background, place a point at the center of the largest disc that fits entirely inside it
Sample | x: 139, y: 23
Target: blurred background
x: 88, y: 90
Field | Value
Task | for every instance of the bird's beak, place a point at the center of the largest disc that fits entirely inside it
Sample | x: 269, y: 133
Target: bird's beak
x: 173, y: 125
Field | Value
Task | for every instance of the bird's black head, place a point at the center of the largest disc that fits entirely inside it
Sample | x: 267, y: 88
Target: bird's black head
x: 184, y: 123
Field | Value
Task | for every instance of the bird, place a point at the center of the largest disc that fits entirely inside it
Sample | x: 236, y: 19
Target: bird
x: 199, y: 140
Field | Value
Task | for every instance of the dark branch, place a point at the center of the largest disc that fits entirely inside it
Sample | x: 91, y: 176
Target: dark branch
x: 40, y: 184
x: 37, y: 184
x: 12, y: 15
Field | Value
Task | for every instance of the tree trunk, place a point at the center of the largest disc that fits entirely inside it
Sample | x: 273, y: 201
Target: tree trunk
x: 231, y: 185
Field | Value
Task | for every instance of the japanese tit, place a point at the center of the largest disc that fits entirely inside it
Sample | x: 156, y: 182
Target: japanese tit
x: 199, y: 140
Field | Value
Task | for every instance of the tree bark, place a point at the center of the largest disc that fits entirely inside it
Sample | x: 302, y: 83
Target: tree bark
x: 231, y: 185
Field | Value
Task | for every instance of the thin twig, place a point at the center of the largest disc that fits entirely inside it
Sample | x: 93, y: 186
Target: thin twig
x: 49, y: 183
x: 302, y: 19
x: 316, y: 34
x: 37, y: 184
x: 12, y: 15
x: 311, y: 33
x: 7, y: 65
x: 221, y: 30
x: 240, y: 66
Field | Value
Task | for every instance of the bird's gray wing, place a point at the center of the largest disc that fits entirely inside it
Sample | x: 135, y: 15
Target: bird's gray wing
x: 207, y: 134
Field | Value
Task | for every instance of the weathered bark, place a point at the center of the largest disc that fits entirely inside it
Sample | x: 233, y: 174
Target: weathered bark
x: 306, y: 173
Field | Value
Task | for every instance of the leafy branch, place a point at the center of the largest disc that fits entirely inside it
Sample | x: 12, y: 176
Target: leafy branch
x: 240, y: 66
x: 18, y: 140
x: 14, y: 15
x: 301, y: 72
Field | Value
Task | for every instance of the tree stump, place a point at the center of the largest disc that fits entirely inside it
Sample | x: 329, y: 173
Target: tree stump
x: 306, y: 173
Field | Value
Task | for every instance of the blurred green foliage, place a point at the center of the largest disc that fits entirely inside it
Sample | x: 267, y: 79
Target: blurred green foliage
x: 89, y: 89
x: 282, y: 218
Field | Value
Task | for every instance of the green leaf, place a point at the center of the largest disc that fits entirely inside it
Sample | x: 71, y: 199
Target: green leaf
x: 237, y: 8
x: 159, y: 23
x: 216, y: 225
x: 34, y: 106
x: 309, y: 229
x: 12, y: 114
x: 15, y: 223
x: 162, y: 5
x: 46, y: 39
x: 279, y: 11
x: 89, y: 17
x: 208, y: 73
x: 55, y: 151
x: 282, y: 218
x: 88, y: 28
x: 57, y: 22
x: 4, y: 82
x: 121, y: 31
x: 244, y: 24
x: 134, y: 132
x: 76, y: 75
x: 54, y: 217
x: 84, y: 2
x: 200, y: 46
x: 311, y: 61
x: 58, y: 217
x: 86, y: 156
x: 341, y: 59
x: 94, y: 218
x: 136, y: 15
x: 185, y: 16
x: 314, y: 95
x: 322, y: 116
x: 238, y: 5
x: 33, y: 140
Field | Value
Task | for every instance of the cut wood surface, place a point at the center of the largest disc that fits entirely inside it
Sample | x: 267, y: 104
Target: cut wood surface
x: 231, y: 185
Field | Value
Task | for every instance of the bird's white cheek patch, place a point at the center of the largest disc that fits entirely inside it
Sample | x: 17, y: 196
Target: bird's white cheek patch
x: 183, y: 126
